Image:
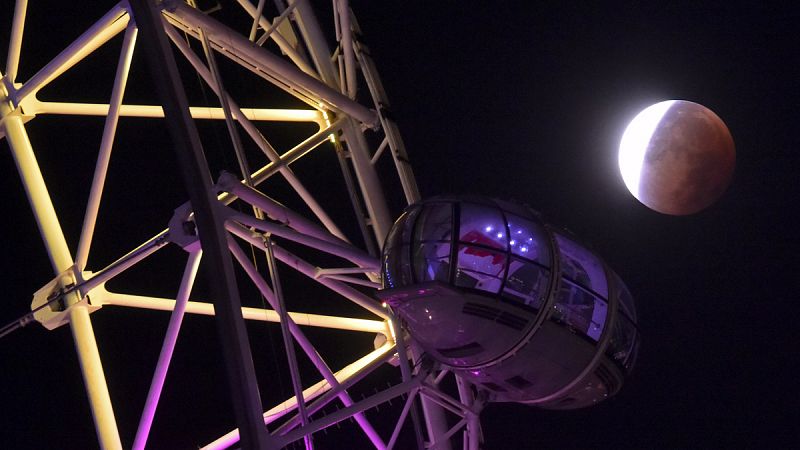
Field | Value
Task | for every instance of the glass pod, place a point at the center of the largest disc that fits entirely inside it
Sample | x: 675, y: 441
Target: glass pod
x: 519, y: 308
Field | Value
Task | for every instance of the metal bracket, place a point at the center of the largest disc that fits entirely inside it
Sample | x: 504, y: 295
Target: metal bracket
x: 52, y: 302
x: 182, y: 229
x: 7, y: 93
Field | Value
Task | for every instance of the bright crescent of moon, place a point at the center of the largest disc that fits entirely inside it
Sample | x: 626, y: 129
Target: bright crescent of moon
x: 635, y: 139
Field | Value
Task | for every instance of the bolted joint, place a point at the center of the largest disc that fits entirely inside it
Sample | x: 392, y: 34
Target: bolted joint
x: 183, y: 230
x: 51, y: 304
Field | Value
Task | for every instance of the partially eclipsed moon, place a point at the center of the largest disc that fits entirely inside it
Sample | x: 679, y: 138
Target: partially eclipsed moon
x: 676, y: 157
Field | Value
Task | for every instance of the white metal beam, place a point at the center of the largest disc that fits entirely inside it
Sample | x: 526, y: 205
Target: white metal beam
x: 102, y: 298
x: 111, y: 24
x: 238, y: 48
x: 32, y: 106
x: 61, y: 260
x: 104, y: 155
x: 15, y: 41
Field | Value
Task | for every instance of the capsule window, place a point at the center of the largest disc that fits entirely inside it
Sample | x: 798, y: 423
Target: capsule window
x: 626, y: 301
x: 580, y: 310
x: 622, y: 348
x: 408, y: 225
x: 435, y: 223
x: 481, y: 225
x: 526, y: 283
x: 580, y: 266
x: 480, y: 268
x: 397, y: 267
x: 432, y: 262
x: 528, y: 240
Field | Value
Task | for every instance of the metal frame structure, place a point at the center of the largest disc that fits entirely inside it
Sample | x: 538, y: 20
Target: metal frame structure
x: 290, y: 53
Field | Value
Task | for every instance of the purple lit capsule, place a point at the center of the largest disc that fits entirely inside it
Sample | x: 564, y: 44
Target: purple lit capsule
x: 486, y: 304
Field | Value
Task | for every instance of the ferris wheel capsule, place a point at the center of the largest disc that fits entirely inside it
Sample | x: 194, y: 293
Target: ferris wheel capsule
x: 519, y: 308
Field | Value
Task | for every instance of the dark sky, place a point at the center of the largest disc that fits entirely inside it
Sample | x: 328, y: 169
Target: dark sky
x: 517, y: 102
x: 530, y: 103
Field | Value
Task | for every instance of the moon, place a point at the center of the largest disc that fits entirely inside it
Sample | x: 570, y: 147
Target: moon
x: 677, y: 157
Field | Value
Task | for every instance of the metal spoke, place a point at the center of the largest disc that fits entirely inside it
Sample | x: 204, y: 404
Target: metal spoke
x: 168, y: 347
x: 104, y: 155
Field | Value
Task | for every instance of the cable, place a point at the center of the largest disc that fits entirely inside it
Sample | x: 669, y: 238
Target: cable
x: 29, y: 317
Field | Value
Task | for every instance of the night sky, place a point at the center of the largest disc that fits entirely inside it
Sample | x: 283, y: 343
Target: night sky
x: 515, y: 102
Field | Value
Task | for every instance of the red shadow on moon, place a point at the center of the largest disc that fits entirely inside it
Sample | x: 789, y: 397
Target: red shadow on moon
x: 689, y: 161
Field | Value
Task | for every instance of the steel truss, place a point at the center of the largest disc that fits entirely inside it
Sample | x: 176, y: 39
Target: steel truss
x: 290, y: 53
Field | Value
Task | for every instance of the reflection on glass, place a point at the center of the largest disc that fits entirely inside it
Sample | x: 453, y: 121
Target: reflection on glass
x: 480, y: 268
x: 395, y: 234
x: 623, y: 340
x: 432, y: 262
x: 397, y: 267
x: 526, y: 283
x: 527, y: 239
x: 408, y: 225
x: 435, y: 223
x: 581, y: 266
x: 629, y: 363
x: 620, y: 291
x: 580, y: 310
x: 483, y: 225
x: 625, y: 300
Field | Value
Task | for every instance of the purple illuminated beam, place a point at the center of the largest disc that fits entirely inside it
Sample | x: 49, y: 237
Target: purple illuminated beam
x: 167, y: 349
x: 355, y: 409
x: 309, y: 270
x: 341, y: 250
x: 303, y: 341
x: 229, y: 183
x: 348, y: 376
